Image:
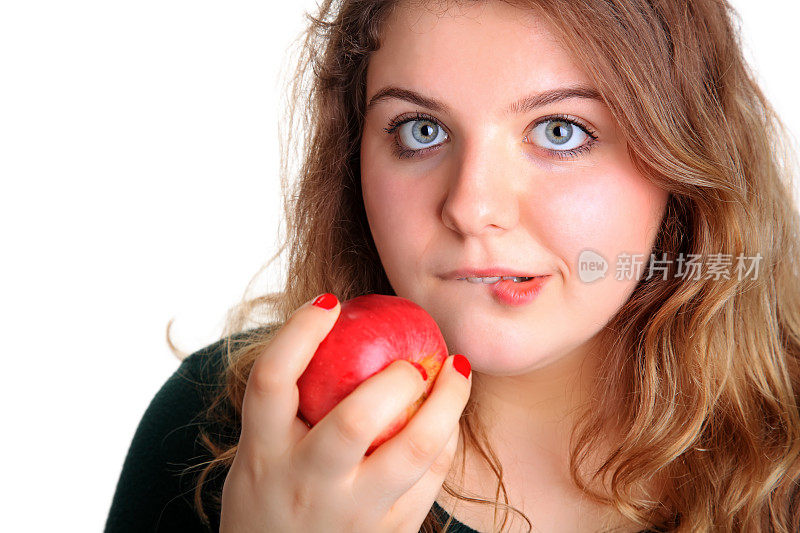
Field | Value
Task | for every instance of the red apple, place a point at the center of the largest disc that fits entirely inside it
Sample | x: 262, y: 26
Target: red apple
x: 370, y: 332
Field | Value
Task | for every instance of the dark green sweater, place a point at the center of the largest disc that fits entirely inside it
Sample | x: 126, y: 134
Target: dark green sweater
x: 154, y: 493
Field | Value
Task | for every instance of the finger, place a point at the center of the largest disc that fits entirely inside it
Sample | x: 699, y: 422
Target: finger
x: 271, y: 398
x: 338, y: 442
x: 299, y: 430
x: 414, y: 504
x: 403, y: 460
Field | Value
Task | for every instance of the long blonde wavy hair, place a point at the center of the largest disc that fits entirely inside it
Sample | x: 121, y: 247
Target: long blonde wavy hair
x: 709, y: 367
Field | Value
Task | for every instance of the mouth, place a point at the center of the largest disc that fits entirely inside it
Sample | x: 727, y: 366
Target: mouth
x: 512, y: 291
x: 491, y: 280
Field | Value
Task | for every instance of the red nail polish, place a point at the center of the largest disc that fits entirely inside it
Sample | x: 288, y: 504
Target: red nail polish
x: 461, y: 364
x: 326, y: 301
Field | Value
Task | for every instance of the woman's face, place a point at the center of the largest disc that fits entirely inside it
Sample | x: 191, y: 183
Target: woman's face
x: 465, y: 165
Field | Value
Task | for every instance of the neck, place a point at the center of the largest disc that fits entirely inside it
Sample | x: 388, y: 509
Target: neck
x: 529, y: 420
x: 541, y: 406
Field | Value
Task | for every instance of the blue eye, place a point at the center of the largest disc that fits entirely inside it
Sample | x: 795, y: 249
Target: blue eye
x: 559, y: 134
x: 415, y: 134
x: 418, y: 134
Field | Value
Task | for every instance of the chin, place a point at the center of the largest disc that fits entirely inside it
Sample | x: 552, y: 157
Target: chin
x: 499, y: 352
x: 511, y: 364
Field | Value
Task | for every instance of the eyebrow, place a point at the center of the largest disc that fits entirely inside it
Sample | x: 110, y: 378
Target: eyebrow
x: 522, y: 105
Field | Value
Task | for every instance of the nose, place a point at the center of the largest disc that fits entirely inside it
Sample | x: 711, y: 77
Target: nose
x: 483, y: 190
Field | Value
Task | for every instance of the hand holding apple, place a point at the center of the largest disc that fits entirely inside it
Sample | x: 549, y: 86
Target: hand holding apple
x: 371, y: 332
x: 299, y: 479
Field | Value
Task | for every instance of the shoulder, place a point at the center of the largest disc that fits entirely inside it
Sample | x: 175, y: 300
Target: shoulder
x: 202, y: 373
x: 155, y: 488
x: 208, y: 362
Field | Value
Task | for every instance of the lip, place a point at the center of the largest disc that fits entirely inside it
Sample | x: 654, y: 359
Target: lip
x: 476, y: 272
x: 515, y: 294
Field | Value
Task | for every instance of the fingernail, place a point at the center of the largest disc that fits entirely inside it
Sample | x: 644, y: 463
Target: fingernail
x: 421, y: 370
x: 461, y: 364
x: 326, y: 301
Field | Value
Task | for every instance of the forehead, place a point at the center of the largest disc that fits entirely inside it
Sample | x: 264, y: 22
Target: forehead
x: 481, y: 50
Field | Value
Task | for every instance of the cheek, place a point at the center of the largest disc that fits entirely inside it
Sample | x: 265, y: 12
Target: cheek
x: 610, y: 214
x: 394, y: 205
x: 387, y: 204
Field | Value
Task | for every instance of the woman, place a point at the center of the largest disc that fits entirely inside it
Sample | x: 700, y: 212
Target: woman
x: 617, y: 152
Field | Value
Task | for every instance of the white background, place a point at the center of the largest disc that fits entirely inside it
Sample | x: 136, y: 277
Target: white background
x: 138, y: 162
